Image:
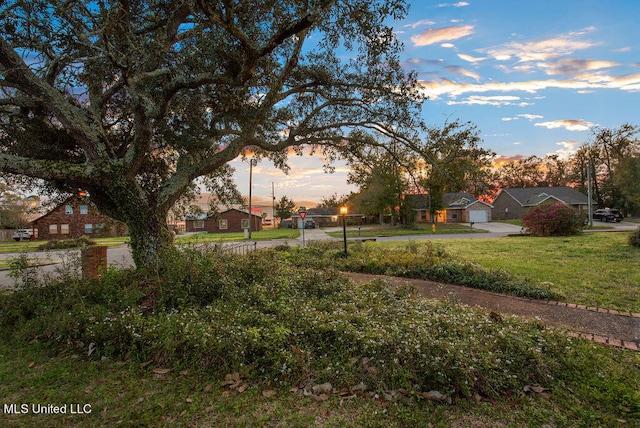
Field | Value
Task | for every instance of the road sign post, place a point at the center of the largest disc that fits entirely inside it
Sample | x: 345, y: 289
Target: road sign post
x: 302, y: 212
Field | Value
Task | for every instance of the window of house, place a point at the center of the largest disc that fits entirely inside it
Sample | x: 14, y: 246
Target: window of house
x: 100, y: 228
x: 68, y: 209
x: 88, y: 228
x: 423, y: 215
x: 454, y: 215
x: 64, y: 229
x: 53, y: 229
x: 198, y: 224
x: 84, y: 209
x: 223, y: 223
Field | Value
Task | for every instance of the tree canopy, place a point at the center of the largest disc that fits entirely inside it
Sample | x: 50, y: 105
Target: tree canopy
x: 610, y: 159
x: 284, y: 208
x: 134, y: 100
x: 452, y: 160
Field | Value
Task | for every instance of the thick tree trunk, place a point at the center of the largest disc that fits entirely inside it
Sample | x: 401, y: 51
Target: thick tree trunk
x: 152, y: 246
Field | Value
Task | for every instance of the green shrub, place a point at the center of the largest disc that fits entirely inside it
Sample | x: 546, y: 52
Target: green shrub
x: 279, y: 323
x: 423, y: 260
x: 283, y: 324
x: 553, y: 220
x: 634, y: 238
x: 63, y: 244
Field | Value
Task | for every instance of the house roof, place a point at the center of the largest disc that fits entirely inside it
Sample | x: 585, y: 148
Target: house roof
x: 452, y: 201
x: 69, y: 200
x: 204, y: 216
x: 196, y: 216
x: 532, y: 196
x: 323, y: 211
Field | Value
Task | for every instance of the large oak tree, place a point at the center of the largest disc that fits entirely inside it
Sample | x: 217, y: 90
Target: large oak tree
x: 132, y: 101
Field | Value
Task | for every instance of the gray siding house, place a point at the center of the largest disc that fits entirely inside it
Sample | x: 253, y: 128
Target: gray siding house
x: 513, y: 203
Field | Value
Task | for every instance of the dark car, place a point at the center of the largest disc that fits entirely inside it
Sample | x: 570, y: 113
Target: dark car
x: 608, y: 214
x: 286, y: 223
x: 309, y: 224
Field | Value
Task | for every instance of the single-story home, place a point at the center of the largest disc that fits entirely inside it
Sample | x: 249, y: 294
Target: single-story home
x: 231, y: 220
x: 514, y: 202
x: 326, y: 217
x: 74, y: 217
x: 459, y: 207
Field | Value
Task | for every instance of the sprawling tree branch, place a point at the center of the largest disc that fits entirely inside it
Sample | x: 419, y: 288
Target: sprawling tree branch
x: 133, y: 101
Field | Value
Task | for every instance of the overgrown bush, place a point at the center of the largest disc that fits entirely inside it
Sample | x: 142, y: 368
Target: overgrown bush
x: 282, y: 324
x: 279, y: 323
x: 424, y: 260
x: 553, y: 220
x: 634, y: 238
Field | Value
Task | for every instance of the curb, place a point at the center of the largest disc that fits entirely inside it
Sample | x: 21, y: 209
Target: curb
x: 604, y: 340
x: 625, y: 344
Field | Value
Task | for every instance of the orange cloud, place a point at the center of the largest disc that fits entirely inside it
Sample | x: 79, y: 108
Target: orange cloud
x: 575, y: 66
x: 541, y: 50
x: 470, y: 58
x: 439, y: 87
x: 568, y: 124
x: 439, y: 35
x: 503, y: 160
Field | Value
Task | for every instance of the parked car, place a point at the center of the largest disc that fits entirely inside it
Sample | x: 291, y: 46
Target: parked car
x: 285, y: 223
x: 24, y: 234
x: 309, y: 224
x: 608, y: 214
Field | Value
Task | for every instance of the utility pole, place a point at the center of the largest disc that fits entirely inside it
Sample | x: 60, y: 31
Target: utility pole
x: 589, y: 197
x: 273, y: 206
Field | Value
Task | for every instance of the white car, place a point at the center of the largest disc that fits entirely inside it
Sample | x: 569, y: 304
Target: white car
x: 23, y: 234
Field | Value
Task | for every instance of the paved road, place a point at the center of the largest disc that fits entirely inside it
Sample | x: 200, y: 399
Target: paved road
x: 121, y: 255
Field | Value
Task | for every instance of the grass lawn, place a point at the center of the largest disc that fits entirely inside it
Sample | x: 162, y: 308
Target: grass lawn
x: 595, y: 269
x: 126, y: 394
x: 262, y: 235
x: 386, y: 230
x: 19, y: 246
x: 30, y: 246
x: 596, y: 225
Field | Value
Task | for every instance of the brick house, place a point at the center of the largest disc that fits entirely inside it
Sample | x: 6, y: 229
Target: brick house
x: 459, y: 207
x: 231, y: 220
x: 322, y: 217
x: 75, y: 217
x: 513, y: 202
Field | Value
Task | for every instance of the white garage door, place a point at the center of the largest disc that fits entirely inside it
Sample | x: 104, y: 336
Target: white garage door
x: 478, y: 216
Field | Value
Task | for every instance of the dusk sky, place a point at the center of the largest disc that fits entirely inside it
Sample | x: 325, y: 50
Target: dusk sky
x: 535, y: 77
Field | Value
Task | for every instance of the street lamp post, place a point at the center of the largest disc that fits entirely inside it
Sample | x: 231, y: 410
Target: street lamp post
x: 251, y: 163
x: 343, y: 211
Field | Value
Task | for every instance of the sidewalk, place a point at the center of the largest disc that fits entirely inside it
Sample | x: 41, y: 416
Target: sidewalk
x: 316, y: 234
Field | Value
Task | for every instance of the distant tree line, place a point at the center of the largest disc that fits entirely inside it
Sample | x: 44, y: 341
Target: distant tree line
x: 611, y: 158
x: 451, y: 159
